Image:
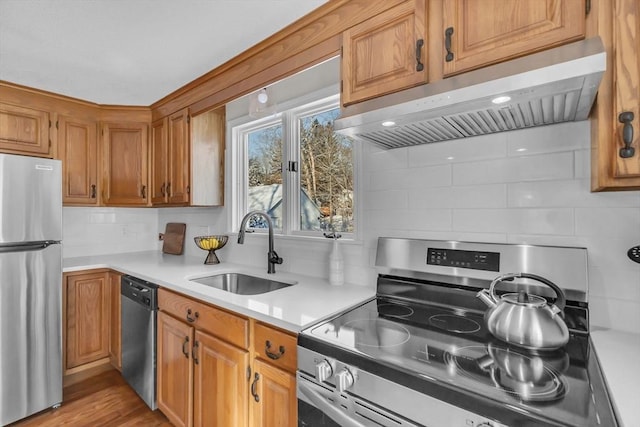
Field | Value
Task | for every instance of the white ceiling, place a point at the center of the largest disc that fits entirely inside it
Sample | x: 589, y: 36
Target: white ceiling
x: 130, y: 52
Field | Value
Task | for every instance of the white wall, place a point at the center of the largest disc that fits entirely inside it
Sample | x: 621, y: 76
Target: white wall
x: 98, y: 231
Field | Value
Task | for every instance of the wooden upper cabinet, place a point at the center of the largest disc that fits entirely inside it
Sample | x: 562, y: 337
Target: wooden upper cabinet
x: 87, y: 319
x: 178, y: 153
x: 207, y: 135
x: 618, y: 101
x: 125, y: 160
x: 386, y: 53
x: 170, y: 159
x: 482, y: 32
x: 78, y: 150
x: 24, y: 131
x: 159, y: 161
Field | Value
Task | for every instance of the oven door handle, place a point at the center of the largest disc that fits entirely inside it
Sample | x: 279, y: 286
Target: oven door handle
x: 319, y: 401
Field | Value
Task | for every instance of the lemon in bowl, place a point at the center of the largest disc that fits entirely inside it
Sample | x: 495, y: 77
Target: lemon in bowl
x: 211, y: 244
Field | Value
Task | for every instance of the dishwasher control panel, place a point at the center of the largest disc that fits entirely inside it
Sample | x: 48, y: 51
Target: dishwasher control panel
x: 140, y: 291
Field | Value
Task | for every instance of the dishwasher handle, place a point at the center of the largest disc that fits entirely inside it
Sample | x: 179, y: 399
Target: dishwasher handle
x: 140, y: 291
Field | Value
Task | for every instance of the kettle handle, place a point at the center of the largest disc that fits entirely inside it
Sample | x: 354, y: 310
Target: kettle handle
x: 560, y: 300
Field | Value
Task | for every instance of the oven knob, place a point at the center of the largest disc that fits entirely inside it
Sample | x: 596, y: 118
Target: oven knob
x: 344, y: 380
x: 324, y: 370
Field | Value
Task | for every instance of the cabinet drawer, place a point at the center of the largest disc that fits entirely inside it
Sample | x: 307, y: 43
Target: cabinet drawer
x: 275, y: 346
x: 222, y: 324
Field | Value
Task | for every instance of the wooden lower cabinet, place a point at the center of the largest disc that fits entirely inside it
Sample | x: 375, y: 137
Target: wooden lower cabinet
x: 87, y: 318
x: 202, y: 378
x: 220, y: 382
x: 115, y: 327
x: 273, y: 402
x: 175, y: 370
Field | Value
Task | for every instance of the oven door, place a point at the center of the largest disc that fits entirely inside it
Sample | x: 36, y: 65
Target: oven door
x: 319, y: 405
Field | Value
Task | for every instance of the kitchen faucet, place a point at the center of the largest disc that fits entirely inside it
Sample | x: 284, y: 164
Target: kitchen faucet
x: 272, y: 256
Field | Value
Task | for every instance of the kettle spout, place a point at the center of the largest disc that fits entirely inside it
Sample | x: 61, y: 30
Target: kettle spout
x: 486, y: 297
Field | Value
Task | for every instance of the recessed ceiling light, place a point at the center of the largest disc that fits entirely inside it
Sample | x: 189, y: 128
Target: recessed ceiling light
x: 450, y: 158
x: 501, y: 99
x: 388, y: 123
x: 521, y: 149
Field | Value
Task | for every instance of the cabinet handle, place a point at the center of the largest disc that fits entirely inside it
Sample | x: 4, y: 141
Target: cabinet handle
x: 144, y: 192
x: 626, y: 118
x: 419, y: 44
x: 194, y: 349
x: 169, y: 189
x: 93, y: 191
x: 162, y: 190
x: 185, y: 350
x: 447, y: 43
x: 254, y: 386
x: 273, y: 356
x: 191, y: 319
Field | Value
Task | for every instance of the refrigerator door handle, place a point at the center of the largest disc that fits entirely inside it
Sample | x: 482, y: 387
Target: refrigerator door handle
x: 26, y: 247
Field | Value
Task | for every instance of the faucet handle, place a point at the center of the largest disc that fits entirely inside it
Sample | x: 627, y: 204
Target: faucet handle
x: 274, y: 258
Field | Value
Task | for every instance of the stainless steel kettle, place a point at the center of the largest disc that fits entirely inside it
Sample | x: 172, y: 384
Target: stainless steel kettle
x: 525, y: 320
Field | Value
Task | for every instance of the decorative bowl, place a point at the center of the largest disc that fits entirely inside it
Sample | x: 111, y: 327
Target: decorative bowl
x: 211, y: 244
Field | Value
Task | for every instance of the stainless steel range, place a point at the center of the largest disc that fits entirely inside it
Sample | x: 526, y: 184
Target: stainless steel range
x: 420, y: 352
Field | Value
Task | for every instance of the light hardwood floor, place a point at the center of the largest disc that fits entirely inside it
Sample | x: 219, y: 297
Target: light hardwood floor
x: 103, y: 400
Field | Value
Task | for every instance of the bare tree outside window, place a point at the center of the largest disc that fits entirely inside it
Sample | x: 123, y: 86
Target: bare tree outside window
x: 326, y: 171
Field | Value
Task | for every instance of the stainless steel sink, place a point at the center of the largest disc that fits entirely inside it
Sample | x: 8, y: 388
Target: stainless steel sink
x: 241, y: 283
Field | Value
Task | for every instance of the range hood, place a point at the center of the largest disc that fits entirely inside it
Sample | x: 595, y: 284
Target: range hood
x: 554, y: 86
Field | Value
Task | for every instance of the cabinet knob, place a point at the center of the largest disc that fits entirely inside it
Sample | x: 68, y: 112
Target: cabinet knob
x: 626, y: 118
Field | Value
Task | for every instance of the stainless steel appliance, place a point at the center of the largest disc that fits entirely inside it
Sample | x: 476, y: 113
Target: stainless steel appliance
x: 30, y: 286
x: 139, y: 307
x: 420, y: 354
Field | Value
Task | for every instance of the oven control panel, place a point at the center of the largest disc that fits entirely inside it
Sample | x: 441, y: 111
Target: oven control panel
x: 475, y: 260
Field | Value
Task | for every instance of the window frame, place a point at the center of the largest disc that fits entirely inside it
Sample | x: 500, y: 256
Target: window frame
x: 289, y: 117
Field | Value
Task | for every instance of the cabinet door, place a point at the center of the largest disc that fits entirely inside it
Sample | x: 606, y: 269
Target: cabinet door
x: 175, y: 370
x: 220, y: 383
x: 273, y: 398
x: 178, y: 154
x: 87, y: 307
x: 115, y: 332
x: 385, y: 53
x: 626, y: 39
x: 619, y: 92
x: 125, y: 164
x: 483, y: 32
x: 24, y: 131
x: 78, y: 150
x: 159, y: 162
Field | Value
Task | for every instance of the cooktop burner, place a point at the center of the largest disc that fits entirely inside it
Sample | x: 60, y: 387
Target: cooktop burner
x: 394, y: 310
x: 526, y: 377
x: 453, y: 323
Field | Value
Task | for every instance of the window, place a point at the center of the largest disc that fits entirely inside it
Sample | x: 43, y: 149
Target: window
x: 297, y: 169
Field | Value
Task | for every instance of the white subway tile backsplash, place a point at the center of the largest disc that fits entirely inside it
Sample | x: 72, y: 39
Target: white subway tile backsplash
x: 520, y: 221
x: 385, y: 200
x: 549, y: 139
x: 477, y: 196
x: 612, y: 222
x: 402, y: 179
x: 616, y: 313
x: 460, y: 150
x: 386, y: 159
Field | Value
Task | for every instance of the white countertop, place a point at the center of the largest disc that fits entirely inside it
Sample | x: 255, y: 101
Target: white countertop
x: 291, y: 308
x: 618, y: 353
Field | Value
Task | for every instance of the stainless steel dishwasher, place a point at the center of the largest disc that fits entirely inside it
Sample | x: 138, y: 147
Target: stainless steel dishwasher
x: 139, y: 325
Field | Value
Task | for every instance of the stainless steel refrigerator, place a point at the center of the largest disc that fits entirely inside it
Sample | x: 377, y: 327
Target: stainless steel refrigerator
x: 30, y: 286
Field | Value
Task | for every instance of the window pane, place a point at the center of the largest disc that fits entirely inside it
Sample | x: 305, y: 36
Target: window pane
x: 326, y: 175
x: 264, y: 190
